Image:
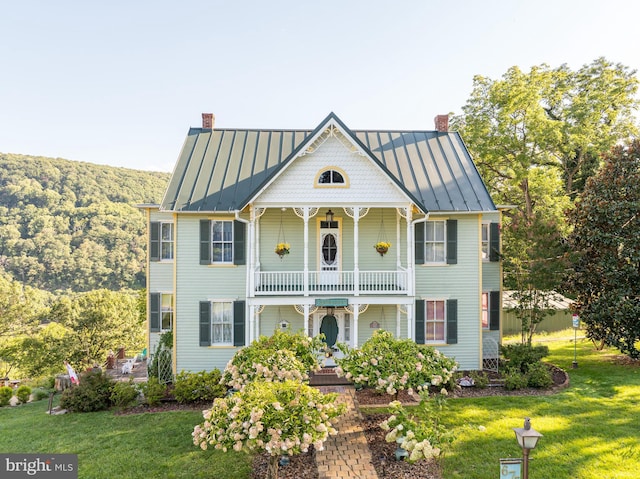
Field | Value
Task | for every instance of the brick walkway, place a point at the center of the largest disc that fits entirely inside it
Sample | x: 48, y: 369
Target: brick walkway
x: 347, y: 454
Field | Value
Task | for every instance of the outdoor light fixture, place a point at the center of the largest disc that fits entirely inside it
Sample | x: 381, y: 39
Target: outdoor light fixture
x: 329, y: 216
x: 527, y: 439
x: 330, y: 310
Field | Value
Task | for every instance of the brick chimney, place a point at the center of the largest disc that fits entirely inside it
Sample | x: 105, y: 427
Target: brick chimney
x: 208, y: 121
x: 442, y: 123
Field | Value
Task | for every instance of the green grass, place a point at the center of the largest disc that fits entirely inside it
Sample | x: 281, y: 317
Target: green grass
x: 127, y: 447
x: 590, y: 431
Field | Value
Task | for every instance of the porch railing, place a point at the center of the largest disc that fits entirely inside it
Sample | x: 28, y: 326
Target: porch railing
x: 269, y: 283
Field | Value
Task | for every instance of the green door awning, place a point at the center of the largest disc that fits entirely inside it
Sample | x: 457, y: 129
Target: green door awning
x: 332, y: 302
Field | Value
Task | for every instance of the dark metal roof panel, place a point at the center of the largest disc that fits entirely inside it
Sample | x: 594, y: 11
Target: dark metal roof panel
x: 221, y: 170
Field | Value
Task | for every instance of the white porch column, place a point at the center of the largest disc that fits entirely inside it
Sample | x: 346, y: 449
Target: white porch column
x: 356, y: 254
x: 398, y: 322
x: 305, y: 279
x: 354, y: 332
x: 398, y: 252
x: 411, y: 278
x: 252, y: 323
x: 306, y: 319
x: 410, y: 315
x: 252, y: 252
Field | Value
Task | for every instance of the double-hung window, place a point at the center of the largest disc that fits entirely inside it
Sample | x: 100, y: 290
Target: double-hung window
x: 161, y: 244
x: 222, y: 242
x: 490, y: 242
x: 436, y: 242
x: 436, y: 321
x: 160, y: 312
x: 222, y: 323
x: 490, y: 310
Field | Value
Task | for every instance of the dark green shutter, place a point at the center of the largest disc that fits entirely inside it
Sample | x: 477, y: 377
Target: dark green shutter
x: 418, y: 238
x: 494, y: 242
x: 419, y: 322
x: 239, y: 229
x: 154, y: 312
x: 494, y: 310
x: 452, y: 321
x: 238, y: 323
x: 154, y: 244
x: 452, y: 241
x: 205, y: 323
x: 205, y: 242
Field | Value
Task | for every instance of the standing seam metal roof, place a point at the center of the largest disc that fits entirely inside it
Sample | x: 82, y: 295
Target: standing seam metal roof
x: 221, y: 170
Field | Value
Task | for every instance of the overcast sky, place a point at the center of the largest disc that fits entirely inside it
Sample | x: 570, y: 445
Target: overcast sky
x: 120, y: 82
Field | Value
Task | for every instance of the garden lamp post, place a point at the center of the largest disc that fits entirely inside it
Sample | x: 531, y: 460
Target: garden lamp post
x: 527, y: 439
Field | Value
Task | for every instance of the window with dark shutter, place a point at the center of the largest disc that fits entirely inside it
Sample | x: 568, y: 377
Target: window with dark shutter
x: 239, y: 229
x: 238, y: 323
x: 154, y: 312
x: 452, y: 321
x: 205, y: 323
x: 419, y: 322
x: 205, y: 242
x: 494, y: 310
x: 452, y: 241
x: 419, y: 242
x: 154, y: 244
x: 494, y: 242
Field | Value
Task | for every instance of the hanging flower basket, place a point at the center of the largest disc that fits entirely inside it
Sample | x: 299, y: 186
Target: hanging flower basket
x: 382, y: 247
x: 282, y: 249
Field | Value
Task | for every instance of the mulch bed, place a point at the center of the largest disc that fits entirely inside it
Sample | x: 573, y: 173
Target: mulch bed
x: 303, y: 466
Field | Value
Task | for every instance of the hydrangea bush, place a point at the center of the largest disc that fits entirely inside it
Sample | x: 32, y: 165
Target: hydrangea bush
x: 419, y: 432
x: 280, y: 418
x: 283, y: 356
x: 390, y: 365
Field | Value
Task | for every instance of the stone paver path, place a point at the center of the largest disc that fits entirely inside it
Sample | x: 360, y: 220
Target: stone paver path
x: 346, y: 455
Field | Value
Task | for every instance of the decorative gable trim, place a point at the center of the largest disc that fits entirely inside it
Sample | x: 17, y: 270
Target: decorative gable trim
x: 330, y: 127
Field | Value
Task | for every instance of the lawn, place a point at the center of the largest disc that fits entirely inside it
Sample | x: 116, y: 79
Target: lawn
x: 591, y: 430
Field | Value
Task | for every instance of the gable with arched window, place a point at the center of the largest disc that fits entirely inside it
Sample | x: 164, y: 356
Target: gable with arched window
x: 332, y: 177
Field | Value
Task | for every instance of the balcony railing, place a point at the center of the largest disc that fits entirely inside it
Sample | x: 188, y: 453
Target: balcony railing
x: 269, y: 283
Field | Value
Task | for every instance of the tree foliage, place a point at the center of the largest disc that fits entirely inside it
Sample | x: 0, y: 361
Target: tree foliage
x: 536, y: 137
x: 97, y: 322
x: 68, y: 225
x: 606, y: 246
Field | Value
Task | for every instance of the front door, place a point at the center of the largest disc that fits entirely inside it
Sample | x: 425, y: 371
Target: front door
x: 329, y: 253
x: 341, y: 323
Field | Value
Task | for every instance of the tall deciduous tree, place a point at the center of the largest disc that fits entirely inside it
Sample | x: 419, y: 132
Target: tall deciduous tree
x: 536, y: 136
x: 99, y: 321
x: 606, y: 244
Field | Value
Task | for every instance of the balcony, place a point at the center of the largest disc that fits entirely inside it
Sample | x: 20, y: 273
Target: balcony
x: 296, y: 283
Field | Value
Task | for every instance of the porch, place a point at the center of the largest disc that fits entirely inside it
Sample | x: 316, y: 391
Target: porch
x: 301, y: 283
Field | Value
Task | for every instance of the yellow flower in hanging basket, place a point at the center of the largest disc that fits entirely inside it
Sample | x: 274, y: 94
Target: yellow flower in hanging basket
x: 282, y: 249
x: 382, y: 247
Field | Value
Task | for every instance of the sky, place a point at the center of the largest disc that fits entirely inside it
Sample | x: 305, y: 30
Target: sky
x: 120, y: 82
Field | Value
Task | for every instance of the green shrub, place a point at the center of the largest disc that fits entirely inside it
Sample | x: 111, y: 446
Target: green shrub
x: 539, y: 376
x: 153, y: 391
x: 39, y: 394
x: 278, y: 357
x: 480, y: 379
x: 522, y: 356
x: 23, y: 393
x: 124, y: 394
x: 202, y: 386
x: 5, y: 395
x: 389, y: 364
x: 514, y: 379
x: 92, y: 394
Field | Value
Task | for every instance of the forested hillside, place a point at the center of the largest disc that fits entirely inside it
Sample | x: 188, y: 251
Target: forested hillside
x: 67, y: 225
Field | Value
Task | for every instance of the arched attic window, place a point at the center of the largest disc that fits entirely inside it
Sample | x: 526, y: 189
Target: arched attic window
x: 332, y: 177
